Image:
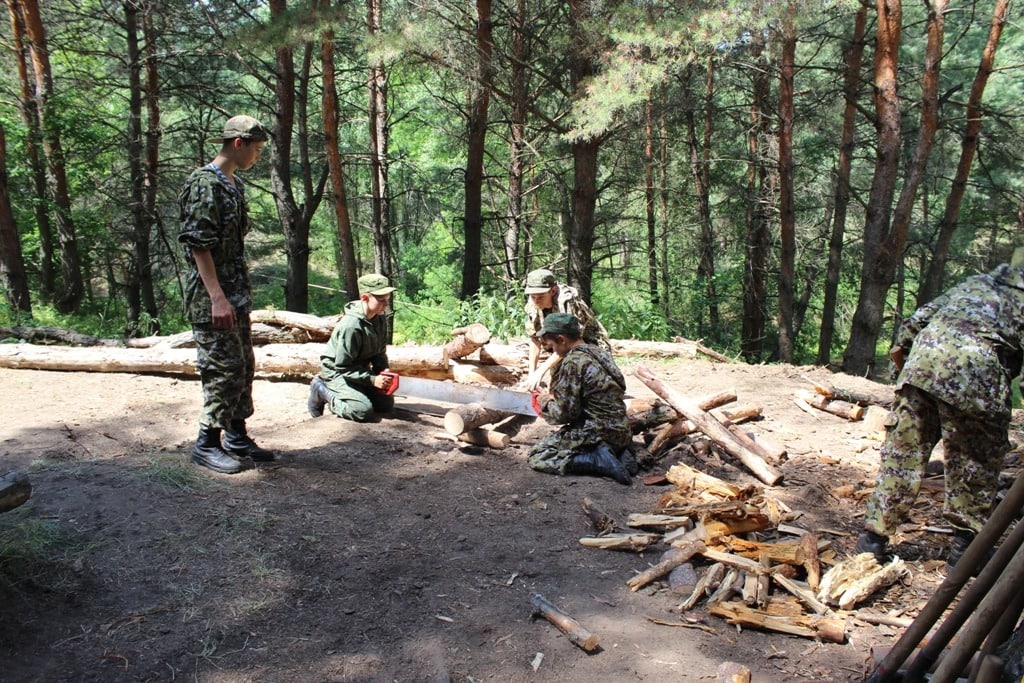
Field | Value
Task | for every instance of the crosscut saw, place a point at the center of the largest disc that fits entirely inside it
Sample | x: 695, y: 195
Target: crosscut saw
x: 519, y: 402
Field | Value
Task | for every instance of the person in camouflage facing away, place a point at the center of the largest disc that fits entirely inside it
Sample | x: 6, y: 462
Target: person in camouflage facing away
x: 544, y: 296
x: 586, y: 398
x: 956, y: 357
x: 218, y: 297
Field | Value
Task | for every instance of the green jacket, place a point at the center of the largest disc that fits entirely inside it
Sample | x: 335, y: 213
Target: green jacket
x: 357, y: 349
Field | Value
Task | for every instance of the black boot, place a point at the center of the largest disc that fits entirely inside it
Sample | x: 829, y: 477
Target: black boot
x: 962, y: 539
x: 876, y: 544
x: 628, y: 460
x: 237, y: 441
x: 208, y: 453
x: 599, y: 462
x: 319, y: 396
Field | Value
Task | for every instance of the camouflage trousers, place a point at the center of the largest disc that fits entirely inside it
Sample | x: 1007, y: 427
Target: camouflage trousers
x: 352, y: 403
x: 226, y: 365
x: 554, y: 452
x: 974, y: 450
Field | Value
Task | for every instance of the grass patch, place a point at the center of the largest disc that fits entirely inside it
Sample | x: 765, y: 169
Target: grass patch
x: 39, y: 552
x: 169, y: 472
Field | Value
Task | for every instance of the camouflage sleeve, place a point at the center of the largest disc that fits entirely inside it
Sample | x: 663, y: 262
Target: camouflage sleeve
x: 199, y: 212
x: 565, y: 403
x: 534, y: 319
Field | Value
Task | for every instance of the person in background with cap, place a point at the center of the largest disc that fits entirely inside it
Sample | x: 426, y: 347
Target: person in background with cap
x: 545, y: 296
x: 354, y: 380
x: 218, y: 297
x: 956, y: 357
x: 587, y: 399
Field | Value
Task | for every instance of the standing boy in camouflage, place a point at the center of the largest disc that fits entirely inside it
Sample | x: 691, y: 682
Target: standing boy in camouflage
x: 352, y: 382
x: 961, y: 352
x: 587, y: 390
x: 218, y: 297
x: 544, y: 296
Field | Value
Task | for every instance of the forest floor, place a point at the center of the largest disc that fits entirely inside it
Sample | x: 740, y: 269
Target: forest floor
x: 382, y: 551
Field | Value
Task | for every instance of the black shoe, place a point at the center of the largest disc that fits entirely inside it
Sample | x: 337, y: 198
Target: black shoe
x: 208, y: 453
x: 599, y: 462
x: 318, y: 397
x: 876, y: 544
x: 961, y: 541
x: 628, y: 460
x: 238, y: 442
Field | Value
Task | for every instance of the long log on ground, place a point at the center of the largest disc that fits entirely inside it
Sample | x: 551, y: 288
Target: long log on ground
x: 463, y: 418
x: 466, y: 340
x: 850, y: 411
x: 574, y: 630
x: 470, y: 372
x: 714, y: 429
x: 631, y: 542
x: 860, y: 398
x: 828, y: 629
x: 681, y: 427
x: 15, y: 490
x: 317, y: 329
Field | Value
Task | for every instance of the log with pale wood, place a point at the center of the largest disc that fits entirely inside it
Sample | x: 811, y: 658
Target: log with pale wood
x: 15, y: 490
x: 731, y: 672
x: 683, y: 426
x: 714, y: 429
x: 466, y: 340
x: 629, y: 542
x: 850, y: 396
x: 577, y: 634
x: 850, y: 411
x: 854, y: 580
x: 485, y: 437
x: 828, y: 629
x: 469, y: 416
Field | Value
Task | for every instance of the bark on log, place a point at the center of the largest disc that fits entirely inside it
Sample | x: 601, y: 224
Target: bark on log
x: 468, y: 372
x: 681, y: 426
x: 467, y: 340
x: 711, y: 427
x: 681, y: 555
x: 845, y: 409
x: 827, y: 629
x: 602, y: 522
x: 317, y: 329
x: 850, y: 396
x: 15, y: 490
x: 574, y: 630
x: 468, y: 416
x: 668, y: 434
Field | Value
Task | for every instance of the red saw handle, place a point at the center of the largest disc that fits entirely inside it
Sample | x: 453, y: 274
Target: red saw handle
x: 393, y: 387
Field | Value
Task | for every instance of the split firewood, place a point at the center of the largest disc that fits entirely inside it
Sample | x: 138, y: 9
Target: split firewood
x: 850, y: 411
x: 711, y: 427
x: 574, y: 631
x: 463, y: 418
x: 466, y: 340
x: 731, y: 585
x: 602, y: 522
x: 804, y: 595
x: 639, y: 520
x: 630, y: 542
x: 811, y: 560
x: 710, y: 529
x: 731, y: 672
x: 15, y: 490
x: 707, y: 583
x: 828, y: 629
x: 779, y: 552
x: 689, y: 479
x: 854, y: 580
x: 675, y: 558
x: 735, y: 561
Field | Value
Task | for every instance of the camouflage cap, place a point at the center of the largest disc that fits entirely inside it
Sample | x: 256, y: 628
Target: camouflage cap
x: 561, y: 323
x: 540, y: 281
x: 375, y: 284
x: 245, y: 127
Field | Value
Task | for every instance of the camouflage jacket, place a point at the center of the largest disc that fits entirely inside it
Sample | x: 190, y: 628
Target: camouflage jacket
x: 357, y: 349
x: 568, y: 301
x: 965, y: 347
x: 587, y: 390
x: 213, y: 216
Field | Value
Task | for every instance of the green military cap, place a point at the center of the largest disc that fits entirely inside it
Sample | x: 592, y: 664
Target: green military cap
x: 375, y: 284
x: 245, y: 127
x: 540, y: 281
x: 561, y: 323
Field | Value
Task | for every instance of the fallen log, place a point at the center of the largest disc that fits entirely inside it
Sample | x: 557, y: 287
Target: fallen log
x: 468, y: 416
x: 828, y: 629
x: 850, y: 411
x: 316, y: 329
x: 682, y: 426
x: 711, y: 427
x: 675, y: 558
x: 857, y: 397
x: 574, y: 630
x: 635, y: 542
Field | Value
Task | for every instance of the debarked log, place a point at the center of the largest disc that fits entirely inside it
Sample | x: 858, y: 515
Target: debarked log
x: 850, y: 411
x: 468, y: 416
x: 466, y: 340
x: 828, y: 629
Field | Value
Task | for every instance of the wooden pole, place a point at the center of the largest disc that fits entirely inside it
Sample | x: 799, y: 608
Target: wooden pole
x: 710, y: 426
x: 577, y: 634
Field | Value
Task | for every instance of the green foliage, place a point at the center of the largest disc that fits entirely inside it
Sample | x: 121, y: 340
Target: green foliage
x: 627, y: 313
x: 431, y: 322
x: 38, y: 552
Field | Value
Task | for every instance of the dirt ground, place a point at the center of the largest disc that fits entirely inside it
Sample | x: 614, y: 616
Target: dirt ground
x: 382, y: 551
